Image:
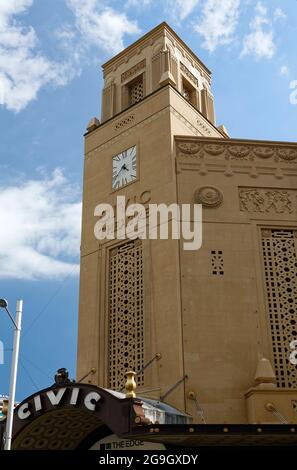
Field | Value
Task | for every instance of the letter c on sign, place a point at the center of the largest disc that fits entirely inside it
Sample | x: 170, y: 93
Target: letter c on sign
x: 90, y: 399
x: 23, y: 411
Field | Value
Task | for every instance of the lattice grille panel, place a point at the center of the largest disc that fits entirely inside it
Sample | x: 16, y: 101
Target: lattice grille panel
x: 280, y: 267
x: 217, y: 263
x: 126, y: 313
x: 136, y: 91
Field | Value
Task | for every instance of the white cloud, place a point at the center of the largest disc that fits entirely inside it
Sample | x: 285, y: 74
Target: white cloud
x: 284, y: 70
x: 40, y: 228
x: 260, y: 41
x: 23, y: 69
x: 218, y: 23
x: 101, y: 25
x: 137, y: 3
x: 279, y: 14
x: 178, y: 10
x: 181, y: 9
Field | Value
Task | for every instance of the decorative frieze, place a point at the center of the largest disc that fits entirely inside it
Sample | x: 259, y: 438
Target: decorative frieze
x: 188, y: 74
x: 133, y: 70
x: 239, y: 151
x: 188, y: 147
x: 244, y: 151
x: 263, y: 200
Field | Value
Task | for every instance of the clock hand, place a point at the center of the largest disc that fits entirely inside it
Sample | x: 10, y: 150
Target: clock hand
x: 119, y: 171
x: 124, y: 167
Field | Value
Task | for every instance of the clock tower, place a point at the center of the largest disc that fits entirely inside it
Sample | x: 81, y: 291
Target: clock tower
x: 194, y: 326
x: 130, y: 290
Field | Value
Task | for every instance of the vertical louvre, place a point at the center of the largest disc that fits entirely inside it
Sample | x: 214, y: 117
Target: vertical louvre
x: 280, y: 267
x: 136, y: 91
x: 126, y: 315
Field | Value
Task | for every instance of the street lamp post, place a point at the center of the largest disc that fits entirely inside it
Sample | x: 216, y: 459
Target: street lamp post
x: 14, y: 367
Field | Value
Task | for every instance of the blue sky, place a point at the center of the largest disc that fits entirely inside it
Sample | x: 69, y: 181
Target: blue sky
x: 50, y: 87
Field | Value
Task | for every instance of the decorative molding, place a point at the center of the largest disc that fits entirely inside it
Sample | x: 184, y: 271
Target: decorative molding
x: 239, y: 151
x: 156, y: 56
x: 208, y: 196
x: 124, y: 122
x: 263, y: 152
x: 188, y: 147
x: 249, y: 151
x: 203, y: 128
x: 133, y: 70
x: 214, y: 149
x: 287, y: 154
x: 191, y: 58
x: 266, y: 200
x: 189, y: 74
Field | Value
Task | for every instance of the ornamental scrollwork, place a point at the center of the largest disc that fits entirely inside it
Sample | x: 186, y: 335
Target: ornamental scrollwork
x: 188, y: 147
x: 208, y: 196
x: 287, y: 154
x: 239, y: 151
x: 214, y: 149
x: 264, y: 152
x: 262, y: 200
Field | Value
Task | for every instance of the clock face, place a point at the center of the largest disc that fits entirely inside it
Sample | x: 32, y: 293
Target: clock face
x: 124, y: 168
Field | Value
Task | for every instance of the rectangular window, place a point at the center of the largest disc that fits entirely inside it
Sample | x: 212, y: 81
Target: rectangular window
x: 126, y: 313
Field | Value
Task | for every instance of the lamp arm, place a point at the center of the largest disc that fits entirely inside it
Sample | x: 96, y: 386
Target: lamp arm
x: 11, y: 317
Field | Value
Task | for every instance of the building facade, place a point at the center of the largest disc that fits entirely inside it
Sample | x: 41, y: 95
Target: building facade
x: 208, y: 331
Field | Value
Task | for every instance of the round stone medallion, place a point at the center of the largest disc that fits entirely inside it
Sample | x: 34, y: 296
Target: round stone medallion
x: 208, y: 196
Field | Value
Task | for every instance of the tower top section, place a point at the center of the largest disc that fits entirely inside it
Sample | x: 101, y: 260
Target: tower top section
x: 161, y: 34
x: 157, y: 59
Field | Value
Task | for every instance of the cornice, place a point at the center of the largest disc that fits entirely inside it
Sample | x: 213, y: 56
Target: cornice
x: 239, y: 150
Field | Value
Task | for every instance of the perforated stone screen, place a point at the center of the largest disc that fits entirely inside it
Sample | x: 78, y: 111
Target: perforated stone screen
x: 136, y: 91
x: 126, y: 313
x: 280, y: 268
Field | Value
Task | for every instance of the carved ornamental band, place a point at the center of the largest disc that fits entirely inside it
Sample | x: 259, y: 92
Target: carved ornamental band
x: 239, y: 151
x: 188, y: 74
x: 278, y: 201
x: 133, y: 71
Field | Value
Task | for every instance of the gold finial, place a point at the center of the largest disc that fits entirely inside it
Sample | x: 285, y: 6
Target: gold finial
x: 130, y: 384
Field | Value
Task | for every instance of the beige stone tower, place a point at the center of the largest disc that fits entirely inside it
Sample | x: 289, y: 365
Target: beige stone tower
x: 214, y: 325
